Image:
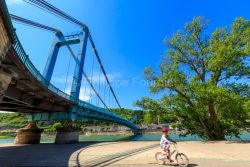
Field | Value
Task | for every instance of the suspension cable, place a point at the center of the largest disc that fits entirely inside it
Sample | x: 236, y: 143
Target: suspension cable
x: 109, y: 99
x: 50, y: 8
x: 99, y: 83
x: 92, y: 72
x: 38, y: 25
x: 90, y: 83
x: 85, y: 90
x: 93, y: 88
x: 103, y: 70
x: 67, y: 73
x: 57, y: 11
x: 32, y: 23
x: 104, y: 91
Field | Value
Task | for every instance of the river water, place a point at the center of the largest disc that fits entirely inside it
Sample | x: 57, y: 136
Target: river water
x: 144, y: 137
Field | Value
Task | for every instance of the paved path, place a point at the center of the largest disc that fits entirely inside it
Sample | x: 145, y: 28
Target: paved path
x: 203, y: 154
x: 124, y: 154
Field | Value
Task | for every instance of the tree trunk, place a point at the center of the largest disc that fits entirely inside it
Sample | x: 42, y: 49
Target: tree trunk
x: 218, y: 133
x: 215, y: 136
x: 206, y: 130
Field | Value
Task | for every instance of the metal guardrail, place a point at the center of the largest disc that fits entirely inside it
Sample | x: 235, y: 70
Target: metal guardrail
x: 38, y: 76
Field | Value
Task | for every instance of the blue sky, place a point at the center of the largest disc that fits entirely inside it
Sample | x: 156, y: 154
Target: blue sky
x: 128, y: 34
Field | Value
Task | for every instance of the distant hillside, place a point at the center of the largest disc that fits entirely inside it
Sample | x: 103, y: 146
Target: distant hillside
x: 18, y: 120
x: 14, y: 120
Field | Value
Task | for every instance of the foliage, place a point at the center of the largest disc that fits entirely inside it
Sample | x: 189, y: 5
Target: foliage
x: 7, y: 133
x: 205, y: 79
x: 155, y: 110
x: 13, y: 119
x: 126, y: 113
x: 53, y: 127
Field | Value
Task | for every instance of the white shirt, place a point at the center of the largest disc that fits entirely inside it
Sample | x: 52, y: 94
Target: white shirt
x: 164, y: 141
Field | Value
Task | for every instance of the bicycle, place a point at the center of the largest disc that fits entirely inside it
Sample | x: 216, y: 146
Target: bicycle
x: 181, y: 159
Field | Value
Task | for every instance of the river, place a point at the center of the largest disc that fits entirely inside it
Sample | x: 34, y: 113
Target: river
x: 144, y: 137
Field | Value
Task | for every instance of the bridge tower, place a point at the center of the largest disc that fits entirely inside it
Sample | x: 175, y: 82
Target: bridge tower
x: 67, y: 134
x: 61, y: 40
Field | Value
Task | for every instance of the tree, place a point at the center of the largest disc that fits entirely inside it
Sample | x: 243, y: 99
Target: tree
x: 205, y: 79
x: 155, y: 110
x: 126, y: 113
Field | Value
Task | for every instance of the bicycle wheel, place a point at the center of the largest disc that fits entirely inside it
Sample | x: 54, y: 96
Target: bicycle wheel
x: 159, y: 159
x: 182, y: 159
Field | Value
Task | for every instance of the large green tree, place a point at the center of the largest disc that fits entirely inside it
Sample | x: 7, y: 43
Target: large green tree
x: 205, y: 79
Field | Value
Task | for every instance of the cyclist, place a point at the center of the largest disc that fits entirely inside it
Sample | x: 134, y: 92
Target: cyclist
x: 165, y: 143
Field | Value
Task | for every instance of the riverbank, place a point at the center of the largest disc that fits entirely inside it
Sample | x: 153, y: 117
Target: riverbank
x: 124, y: 153
x: 108, y: 137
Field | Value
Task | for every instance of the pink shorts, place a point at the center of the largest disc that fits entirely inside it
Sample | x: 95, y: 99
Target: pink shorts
x: 165, y: 147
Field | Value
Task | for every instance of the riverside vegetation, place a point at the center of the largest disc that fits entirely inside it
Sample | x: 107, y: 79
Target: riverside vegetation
x: 205, y: 80
x: 9, y: 122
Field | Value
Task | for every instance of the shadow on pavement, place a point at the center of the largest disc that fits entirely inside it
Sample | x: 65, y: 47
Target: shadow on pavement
x: 110, y: 159
x: 44, y: 154
x: 239, y: 142
x: 192, y: 165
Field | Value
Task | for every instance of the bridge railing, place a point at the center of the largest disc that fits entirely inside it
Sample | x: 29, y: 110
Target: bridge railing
x: 36, y: 74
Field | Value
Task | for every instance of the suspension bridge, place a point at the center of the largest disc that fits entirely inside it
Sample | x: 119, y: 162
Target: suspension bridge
x: 24, y: 89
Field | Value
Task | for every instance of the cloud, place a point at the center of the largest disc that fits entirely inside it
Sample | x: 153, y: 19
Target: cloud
x: 111, y: 76
x: 95, y: 78
x: 14, y: 2
x: 86, y: 92
x: 62, y: 79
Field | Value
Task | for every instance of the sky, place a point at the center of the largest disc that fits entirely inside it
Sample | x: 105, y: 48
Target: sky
x: 128, y: 34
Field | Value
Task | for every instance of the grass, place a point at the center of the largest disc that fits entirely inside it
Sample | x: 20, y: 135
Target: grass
x: 6, y: 137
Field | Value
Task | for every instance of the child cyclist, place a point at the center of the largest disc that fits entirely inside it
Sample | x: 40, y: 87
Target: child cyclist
x: 165, y: 142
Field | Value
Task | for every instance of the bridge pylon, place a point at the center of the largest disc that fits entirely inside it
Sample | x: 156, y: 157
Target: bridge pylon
x: 62, y: 40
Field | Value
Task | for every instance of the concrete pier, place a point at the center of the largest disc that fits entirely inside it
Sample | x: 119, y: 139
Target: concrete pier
x: 67, y: 135
x: 30, y: 134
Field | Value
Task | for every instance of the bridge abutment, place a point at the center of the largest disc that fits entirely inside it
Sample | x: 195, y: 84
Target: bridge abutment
x: 30, y: 134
